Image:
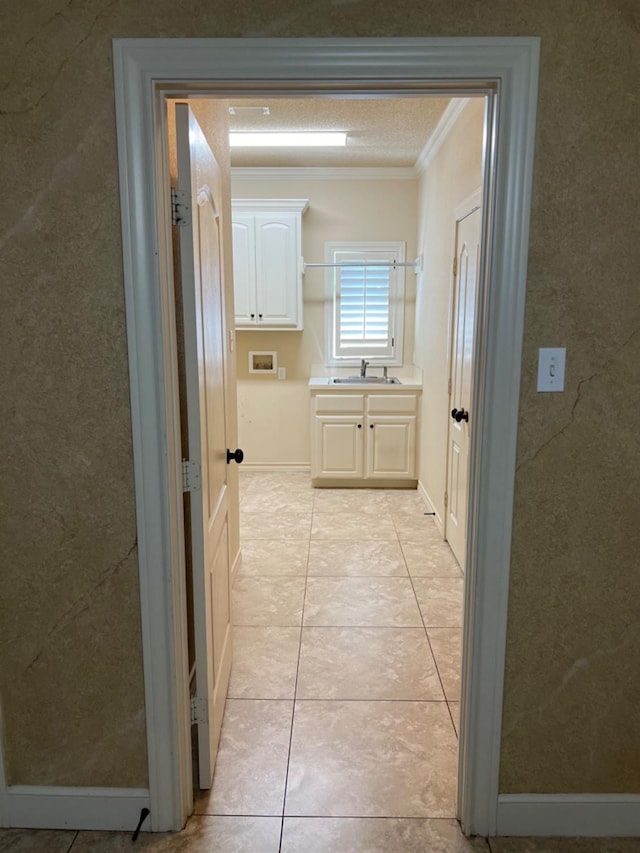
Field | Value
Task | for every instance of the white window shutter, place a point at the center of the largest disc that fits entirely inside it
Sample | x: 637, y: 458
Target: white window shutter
x: 366, y: 295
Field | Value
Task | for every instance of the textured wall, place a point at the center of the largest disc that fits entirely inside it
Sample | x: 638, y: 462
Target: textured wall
x: 69, y: 639
x: 453, y: 174
x: 338, y: 210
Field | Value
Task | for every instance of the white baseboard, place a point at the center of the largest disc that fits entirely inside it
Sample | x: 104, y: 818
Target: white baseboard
x: 430, y: 507
x: 52, y: 807
x: 276, y: 466
x: 235, y: 568
x: 609, y: 815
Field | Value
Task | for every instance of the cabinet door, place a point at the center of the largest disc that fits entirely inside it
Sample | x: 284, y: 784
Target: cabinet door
x: 244, y: 279
x: 391, y: 447
x: 338, y: 446
x: 277, y: 269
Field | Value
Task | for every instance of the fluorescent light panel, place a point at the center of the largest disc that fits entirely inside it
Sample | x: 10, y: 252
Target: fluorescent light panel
x: 288, y: 139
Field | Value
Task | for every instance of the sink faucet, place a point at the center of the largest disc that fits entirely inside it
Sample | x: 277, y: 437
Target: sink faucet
x: 363, y: 368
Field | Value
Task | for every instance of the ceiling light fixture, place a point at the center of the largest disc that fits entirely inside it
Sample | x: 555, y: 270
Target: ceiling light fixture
x: 233, y: 111
x: 288, y: 139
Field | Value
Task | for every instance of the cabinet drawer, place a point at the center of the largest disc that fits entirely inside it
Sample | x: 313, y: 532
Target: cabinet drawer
x: 382, y: 404
x: 352, y: 404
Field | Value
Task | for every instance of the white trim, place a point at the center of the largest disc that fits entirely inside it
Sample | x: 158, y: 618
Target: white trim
x: 36, y: 806
x: 277, y: 466
x: 447, y: 120
x: 324, y: 173
x: 505, y: 70
x: 151, y: 338
x: 612, y: 815
x: 424, y: 494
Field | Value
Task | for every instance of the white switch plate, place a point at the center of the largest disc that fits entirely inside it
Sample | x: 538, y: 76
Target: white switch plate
x: 282, y: 373
x: 551, y: 362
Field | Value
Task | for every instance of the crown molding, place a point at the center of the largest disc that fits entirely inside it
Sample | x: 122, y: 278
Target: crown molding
x: 324, y: 173
x: 444, y: 127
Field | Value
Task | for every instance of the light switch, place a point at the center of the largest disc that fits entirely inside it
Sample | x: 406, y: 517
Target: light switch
x: 551, y: 361
x: 282, y: 373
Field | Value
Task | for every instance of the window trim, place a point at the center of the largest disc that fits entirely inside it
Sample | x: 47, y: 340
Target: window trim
x: 397, y: 289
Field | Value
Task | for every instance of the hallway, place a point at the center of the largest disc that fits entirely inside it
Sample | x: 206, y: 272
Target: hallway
x: 344, y: 693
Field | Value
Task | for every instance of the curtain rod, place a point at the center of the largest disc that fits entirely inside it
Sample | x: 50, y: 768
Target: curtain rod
x: 414, y: 265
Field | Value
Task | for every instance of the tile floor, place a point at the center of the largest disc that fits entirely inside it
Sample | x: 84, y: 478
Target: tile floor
x: 341, y: 715
x: 339, y: 732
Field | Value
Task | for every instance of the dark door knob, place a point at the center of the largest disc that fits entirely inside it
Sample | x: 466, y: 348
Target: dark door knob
x: 461, y: 415
x: 235, y: 456
x: 454, y: 412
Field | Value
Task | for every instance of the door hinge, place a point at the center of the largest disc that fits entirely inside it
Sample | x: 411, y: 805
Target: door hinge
x: 455, y: 266
x: 180, y: 208
x: 191, y: 480
x: 199, y: 710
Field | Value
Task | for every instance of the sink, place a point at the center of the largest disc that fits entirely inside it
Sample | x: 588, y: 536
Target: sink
x: 364, y: 380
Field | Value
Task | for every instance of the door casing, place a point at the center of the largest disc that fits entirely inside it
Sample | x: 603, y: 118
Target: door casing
x: 146, y: 72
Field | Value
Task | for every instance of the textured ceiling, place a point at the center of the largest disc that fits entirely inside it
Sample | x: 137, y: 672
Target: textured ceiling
x: 382, y: 131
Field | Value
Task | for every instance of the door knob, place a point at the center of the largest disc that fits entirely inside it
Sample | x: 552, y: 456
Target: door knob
x: 235, y: 456
x: 454, y: 412
x: 461, y: 415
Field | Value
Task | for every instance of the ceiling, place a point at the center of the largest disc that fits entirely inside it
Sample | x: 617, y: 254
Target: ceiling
x: 387, y: 132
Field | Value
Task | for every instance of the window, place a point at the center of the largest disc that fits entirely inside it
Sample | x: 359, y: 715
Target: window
x: 365, y: 305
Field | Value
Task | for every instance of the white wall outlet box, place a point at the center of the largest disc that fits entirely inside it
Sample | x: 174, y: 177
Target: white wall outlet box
x: 551, y: 363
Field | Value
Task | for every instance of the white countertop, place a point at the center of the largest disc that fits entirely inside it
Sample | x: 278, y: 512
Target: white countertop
x: 323, y: 383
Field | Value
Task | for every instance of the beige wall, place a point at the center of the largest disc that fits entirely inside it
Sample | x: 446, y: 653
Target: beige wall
x: 453, y: 174
x: 273, y: 413
x: 71, y: 680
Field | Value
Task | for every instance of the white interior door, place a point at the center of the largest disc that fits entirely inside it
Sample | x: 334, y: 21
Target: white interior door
x: 468, y: 231
x: 205, y: 334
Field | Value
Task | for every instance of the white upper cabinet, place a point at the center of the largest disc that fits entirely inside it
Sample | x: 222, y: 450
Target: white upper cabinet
x: 267, y: 263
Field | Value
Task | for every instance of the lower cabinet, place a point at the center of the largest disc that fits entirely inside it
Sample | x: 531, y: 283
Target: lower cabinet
x: 339, y: 446
x: 365, y: 437
x: 391, y: 447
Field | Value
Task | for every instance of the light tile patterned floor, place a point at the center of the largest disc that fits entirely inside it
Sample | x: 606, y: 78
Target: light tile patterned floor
x: 341, y: 713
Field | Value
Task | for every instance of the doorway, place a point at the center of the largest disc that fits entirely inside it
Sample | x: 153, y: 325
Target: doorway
x: 376, y: 573
x: 139, y: 110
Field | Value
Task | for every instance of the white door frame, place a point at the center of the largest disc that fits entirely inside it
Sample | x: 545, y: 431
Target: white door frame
x: 508, y: 67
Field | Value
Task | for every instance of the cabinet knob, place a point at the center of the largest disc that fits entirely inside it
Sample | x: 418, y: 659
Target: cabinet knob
x: 370, y: 426
x: 259, y: 316
x: 235, y: 456
x: 359, y: 426
x: 253, y: 316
